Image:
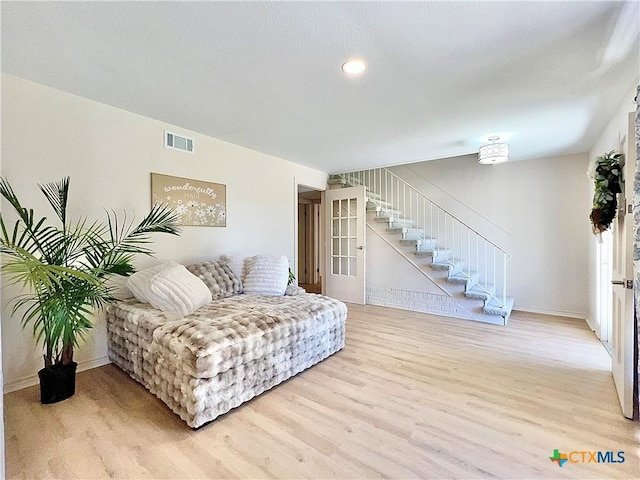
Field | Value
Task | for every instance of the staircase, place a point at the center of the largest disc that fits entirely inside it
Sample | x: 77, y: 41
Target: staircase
x: 464, y: 264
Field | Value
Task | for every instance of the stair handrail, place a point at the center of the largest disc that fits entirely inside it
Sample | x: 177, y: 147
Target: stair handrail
x: 462, y: 204
x: 420, y: 194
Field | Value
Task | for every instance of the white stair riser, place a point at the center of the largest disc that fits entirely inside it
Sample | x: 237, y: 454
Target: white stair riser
x: 393, y: 222
x: 453, y: 268
x: 413, y: 235
x: 430, y: 244
x: 423, y: 244
x: 400, y: 222
x: 377, y: 202
x: 407, y: 233
x: 435, y: 255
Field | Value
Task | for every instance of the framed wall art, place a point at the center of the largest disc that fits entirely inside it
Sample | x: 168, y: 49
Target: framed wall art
x: 198, y: 203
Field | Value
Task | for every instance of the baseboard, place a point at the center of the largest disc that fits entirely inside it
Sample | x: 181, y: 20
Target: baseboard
x: 32, y: 380
x: 592, y: 326
x: 557, y: 313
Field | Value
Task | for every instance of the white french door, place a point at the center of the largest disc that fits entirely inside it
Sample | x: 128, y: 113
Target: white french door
x: 604, y: 257
x: 345, y: 270
x: 622, y: 331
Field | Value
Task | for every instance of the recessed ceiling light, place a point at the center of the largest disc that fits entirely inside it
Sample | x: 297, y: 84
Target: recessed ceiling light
x: 354, y: 67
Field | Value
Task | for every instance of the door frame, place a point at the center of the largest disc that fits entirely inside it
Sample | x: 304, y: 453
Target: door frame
x: 321, y: 247
x: 604, y: 269
x: 346, y: 287
x: 624, y: 340
x: 309, y: 246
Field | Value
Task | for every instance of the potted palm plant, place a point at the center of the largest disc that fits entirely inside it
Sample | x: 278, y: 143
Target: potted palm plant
x: 64, y: 272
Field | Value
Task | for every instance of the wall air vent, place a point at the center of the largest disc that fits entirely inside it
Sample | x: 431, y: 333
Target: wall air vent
x: 178, y: 142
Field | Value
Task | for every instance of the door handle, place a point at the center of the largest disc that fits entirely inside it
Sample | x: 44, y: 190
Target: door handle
x: 360, y: 247
x: 617, y: 282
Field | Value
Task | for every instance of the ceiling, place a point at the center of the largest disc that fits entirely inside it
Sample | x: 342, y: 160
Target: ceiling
x: 441, y: 77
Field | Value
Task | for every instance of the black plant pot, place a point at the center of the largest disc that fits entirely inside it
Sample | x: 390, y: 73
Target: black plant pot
x: 57, y: 383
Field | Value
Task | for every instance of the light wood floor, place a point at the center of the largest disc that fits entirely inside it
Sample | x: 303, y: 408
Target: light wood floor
x: 411, y: 396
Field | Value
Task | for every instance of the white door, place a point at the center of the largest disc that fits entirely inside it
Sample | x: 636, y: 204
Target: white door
x: 345, y: 214
x: 622, y: 335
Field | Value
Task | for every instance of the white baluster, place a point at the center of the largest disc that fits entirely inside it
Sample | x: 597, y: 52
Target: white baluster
x: 504, y: 278
x: 494, y: 268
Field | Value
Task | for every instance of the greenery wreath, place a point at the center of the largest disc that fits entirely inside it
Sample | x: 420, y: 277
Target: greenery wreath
x: 607, y: 174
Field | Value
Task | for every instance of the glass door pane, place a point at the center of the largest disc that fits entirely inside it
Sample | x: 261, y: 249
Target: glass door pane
x: 343, y: 240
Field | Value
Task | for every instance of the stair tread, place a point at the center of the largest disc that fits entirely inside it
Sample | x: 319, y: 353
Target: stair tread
x: 494, y: 307
x: 453, y: 261
x: 421, y: 241
x: 336, y: 181
x: 450, y: 264
x: 465, y: 275
x: 464, y: 278
x: 410, y: 241
x: 392, y: 220
x: 440, y: 256
x: 481, y: 292
x: 391, y: 212
x: 496, y: 302
x: 405, y: 230
x: 376, y: 199
x: 482, y: 288
x: 394, y: 217
x: 432, y: 252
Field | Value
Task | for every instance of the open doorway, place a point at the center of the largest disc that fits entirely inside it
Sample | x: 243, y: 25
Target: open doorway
x: 309, y: 239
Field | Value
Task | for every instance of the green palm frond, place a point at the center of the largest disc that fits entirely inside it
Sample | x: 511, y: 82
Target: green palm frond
x: 64, y: 270
x: 7, y: 192
x: 161, y: 219
x: 57, y: 193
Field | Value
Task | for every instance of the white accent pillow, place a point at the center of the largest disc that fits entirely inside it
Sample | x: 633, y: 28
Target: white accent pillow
x: 138, y: 283
x: 176, y: 290
x: 266, y: 274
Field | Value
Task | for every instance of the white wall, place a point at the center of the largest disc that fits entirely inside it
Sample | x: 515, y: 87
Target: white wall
x: 609, y: 140
x: 386, y: 268
x: 109, y: 154
x: 469, y: 214
x: 542, y: 205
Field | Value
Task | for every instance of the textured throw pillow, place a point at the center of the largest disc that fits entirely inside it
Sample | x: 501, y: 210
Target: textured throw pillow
x: 138, y: 283
x: 236, y: 263
x: 266, y: 274
x: 218, y: 277
x: 176, y: 290
x: 294, y: 290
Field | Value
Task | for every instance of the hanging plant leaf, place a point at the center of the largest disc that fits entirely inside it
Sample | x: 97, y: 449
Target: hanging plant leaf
x: 607, y: 176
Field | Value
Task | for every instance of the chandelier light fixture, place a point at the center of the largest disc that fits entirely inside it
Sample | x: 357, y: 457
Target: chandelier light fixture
x: 494, y: 152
